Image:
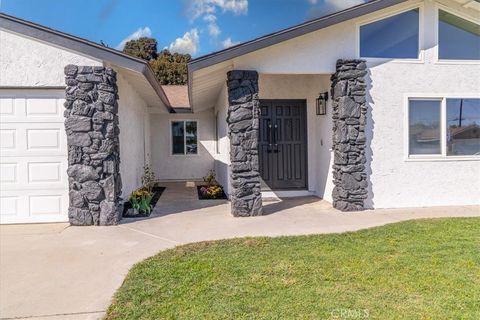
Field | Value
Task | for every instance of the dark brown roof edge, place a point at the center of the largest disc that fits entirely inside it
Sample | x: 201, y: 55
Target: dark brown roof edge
x: 86, y: 47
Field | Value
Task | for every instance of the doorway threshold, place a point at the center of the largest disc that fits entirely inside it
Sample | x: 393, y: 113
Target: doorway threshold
x: 276, y: 194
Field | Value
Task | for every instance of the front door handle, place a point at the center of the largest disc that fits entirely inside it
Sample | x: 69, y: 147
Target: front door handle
x: 269, y: 134
x: 275, y: 138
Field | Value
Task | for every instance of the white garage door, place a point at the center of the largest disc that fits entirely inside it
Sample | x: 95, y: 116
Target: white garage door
x: 33, y: 157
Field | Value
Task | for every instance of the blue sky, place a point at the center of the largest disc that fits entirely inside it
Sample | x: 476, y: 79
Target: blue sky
x: 197, y: 27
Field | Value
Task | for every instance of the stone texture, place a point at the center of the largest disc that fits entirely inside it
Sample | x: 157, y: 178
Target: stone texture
x: 243, y: 114
x: 91, y: 123
x: 78, y: 123
x: 349, y: 140
x: 81, y: 173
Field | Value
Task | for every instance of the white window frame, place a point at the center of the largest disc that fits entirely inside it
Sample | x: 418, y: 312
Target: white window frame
x: 421, y: 32
x: 437, y: 59
x: 184, y: 139
x: 443, y: 127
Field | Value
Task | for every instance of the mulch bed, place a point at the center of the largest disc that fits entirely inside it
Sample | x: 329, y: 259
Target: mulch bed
x: 157, y: 192
x: 223, y: 196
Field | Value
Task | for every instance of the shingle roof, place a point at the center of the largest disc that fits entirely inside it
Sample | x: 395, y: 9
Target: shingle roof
x: 177, y: 95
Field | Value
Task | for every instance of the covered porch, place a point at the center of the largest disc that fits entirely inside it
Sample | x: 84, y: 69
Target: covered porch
x: 273, y: 142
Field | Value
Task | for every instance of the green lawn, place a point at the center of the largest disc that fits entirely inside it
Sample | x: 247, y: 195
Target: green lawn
x: 426, y: 269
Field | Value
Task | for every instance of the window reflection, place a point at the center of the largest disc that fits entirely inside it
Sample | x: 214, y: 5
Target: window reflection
x: 424, y: 127
x: 191, y: 137
x: 178, y: 137
x: 393, y: 37
x: 458, y: 38
x: 463, y: 126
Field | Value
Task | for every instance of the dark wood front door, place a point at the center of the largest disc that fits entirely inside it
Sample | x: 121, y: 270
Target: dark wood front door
x: 282, y: 146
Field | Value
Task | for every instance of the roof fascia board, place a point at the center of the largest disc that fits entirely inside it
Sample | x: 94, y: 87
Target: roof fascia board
x: 150, y: 76
x: 290, y: 33
x: 85, y: 47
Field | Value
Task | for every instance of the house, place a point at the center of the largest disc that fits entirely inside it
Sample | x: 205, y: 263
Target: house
x: 363, y: 108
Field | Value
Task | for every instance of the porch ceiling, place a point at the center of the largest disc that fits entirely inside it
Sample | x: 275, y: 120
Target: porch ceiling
x: 142, y: 87
x: 206, y: 84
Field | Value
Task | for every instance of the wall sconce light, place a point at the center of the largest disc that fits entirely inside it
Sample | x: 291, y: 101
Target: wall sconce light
x: 322, y: 104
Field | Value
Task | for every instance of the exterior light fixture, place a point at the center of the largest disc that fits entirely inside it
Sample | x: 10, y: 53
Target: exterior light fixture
x: 322, y: 104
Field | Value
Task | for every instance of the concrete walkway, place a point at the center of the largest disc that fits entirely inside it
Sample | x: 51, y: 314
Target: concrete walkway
x: 53, y: 271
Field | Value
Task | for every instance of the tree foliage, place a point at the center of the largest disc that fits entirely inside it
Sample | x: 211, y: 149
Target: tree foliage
x: 169, y: 68
x: 143, y: 48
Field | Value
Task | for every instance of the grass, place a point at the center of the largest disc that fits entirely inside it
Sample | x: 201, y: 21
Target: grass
x: 424, y: 269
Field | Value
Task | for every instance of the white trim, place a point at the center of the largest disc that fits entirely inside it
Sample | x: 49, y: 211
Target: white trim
x: 459, y: 14
x: 184, y: 139
x: 378, y: 17
x: 45, y: 92
x: 443, y: 127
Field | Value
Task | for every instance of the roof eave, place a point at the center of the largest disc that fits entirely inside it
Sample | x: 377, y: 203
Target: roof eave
x: 85, y: 47
x: 289, y: 33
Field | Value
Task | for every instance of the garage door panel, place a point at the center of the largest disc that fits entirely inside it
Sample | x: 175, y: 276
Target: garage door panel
x: 43, y: 139
x: 34, y: 173
x: 7, y: 107
x: 31, y: 109
x: 43, y: 107
x: 8, y: 139
x: 33, y: 157
x: 39, y: 172
x: 45, y: 204
x: 33, y: 139
x: 33, y: 208
x: 8, y: 206
x: 8, y: 173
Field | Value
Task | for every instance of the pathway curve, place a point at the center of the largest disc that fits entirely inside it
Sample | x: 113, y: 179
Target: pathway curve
x: 53, y: 271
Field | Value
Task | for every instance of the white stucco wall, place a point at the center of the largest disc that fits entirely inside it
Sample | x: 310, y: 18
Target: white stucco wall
x: 394, y: 181
x: 25, y: 62
x: 182, y: 167
x: 222, y: 148
x: 131, y: 113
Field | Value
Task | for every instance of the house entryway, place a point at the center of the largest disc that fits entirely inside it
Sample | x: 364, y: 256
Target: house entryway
x: 182, y: 197
x: 282, y: 145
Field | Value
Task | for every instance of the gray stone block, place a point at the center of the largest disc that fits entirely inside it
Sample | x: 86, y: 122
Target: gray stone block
x: 78, y: 123
x: 79, y: 139
x: 82, y: 173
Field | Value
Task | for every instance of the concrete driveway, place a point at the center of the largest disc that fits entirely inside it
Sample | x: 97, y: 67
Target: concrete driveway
x: 53, y: 271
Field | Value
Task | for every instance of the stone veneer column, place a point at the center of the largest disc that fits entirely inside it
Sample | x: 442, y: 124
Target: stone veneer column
x: 243, y: 122
x: 349, y: 140
x: 91, y: 123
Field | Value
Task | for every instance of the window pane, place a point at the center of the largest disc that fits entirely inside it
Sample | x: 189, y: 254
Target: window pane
x: 463, y: 126
x: 457, y: 38
x: 191, y: 132
x: 393, y: 37
x: 178, y: 140
x: 424, y: 127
